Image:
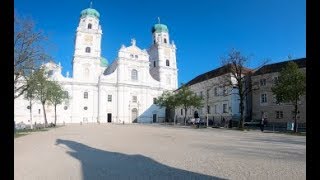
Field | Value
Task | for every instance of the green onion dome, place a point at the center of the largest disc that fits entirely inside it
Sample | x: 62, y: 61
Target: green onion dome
x: 90, y: 12
x: 159, y: 28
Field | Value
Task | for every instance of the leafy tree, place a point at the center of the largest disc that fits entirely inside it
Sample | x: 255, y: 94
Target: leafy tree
x: 167, y: 100
x: 56, y: 96
x: 28, y: 52
x: 290, y: 86
x: 42, y: 89
x: 187, y: 98
x: 30, y: 94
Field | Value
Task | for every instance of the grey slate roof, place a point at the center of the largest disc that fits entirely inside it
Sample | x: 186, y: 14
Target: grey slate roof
x: 277, y: 67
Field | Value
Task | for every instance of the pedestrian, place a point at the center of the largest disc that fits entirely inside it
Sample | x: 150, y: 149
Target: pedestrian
x: 262, y: 123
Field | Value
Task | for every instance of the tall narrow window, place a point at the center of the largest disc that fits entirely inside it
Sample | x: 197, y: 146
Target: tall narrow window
x: 215, y: 91
x: 181, y: 111
x: 154, y: 100
x: 208, y: 109
x: 89, y: 26
x: 165, y: 40
x: 263, y: 98
x: 167, y: 63
x: 85, y: 95
x: 215, y: 109
x: 109, y: 98
x: 134, y: 74
x: 225, y: 110
x: 88, y: 49
x: 154, y: 63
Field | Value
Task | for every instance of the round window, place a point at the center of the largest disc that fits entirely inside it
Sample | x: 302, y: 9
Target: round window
x: 28, y: 107
x: 65, y: 107
x: 85, y: 108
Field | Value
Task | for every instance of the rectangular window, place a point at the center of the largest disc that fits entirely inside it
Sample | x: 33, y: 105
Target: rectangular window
x: 109, y: 98
x: 208, y: 109
x: 134, y: 99
x: 263, y: 82
x: 279, y: 114
x: 154, y: 63
x: 154, y: 100
x: 216, y: 91
x: 85, y: 95
x: 215, y: 109
x: 181, y: 112
x: 225, y: 91
x: 263, y: 98
x: 225, y: 108
x: 208, y: 92
x: 201, y: 95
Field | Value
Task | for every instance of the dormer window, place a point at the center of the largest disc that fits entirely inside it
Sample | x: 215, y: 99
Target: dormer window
x: 88, y: 49
x: 89, y: 26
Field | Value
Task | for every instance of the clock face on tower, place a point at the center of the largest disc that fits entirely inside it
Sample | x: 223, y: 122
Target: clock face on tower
x: 88, y: 39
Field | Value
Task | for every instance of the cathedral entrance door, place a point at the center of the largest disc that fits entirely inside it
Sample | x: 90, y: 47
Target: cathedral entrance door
x: 109, y: 117
x: 134, y: 115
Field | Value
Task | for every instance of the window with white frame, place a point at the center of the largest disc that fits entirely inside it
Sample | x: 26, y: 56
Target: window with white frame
x: 85, y: 95
x: 225, y: 108
x: 279, y: 114
x: 134, y: 74
x: 109, y: 98
x: 215, y: 91
x: 263, y: 82
x: 263, y: 98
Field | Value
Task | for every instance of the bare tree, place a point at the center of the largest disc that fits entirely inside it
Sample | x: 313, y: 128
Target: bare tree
x: 236, y: 62
x: 29, y: 52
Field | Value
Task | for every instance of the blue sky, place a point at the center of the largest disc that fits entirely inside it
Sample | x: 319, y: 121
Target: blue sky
x: 203, y: 30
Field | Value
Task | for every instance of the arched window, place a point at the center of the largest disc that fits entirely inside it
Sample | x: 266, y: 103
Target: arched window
x: 167, y: 63
x: 134, y: 74
x: 165, y: 40
x: 89, y: 26
x: 154, y: 63
x: 88, y: 49
x: 85, y: 95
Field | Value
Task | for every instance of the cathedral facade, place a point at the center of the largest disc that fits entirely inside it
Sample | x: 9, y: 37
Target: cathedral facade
x: 121, y: 92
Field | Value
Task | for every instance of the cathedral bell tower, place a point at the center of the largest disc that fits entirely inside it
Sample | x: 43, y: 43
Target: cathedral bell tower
x: 163, y: 66
x: 87, y: 54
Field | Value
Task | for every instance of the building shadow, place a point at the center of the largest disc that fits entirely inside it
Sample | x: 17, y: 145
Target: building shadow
x: 100, y: 164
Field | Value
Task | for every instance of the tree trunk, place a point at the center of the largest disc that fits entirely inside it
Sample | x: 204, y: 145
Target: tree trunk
x: 55, y: 115
x: 295, y: 116
x: 241, y: 111
x: 30, y: 104
x: 185, y: 116
x: 45, y: 115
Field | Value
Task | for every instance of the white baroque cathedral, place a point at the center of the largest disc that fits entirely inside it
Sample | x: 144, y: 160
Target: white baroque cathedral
x: 122, y: 92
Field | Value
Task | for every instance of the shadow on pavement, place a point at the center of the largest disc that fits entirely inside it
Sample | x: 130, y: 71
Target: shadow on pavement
x: 100, y: 164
